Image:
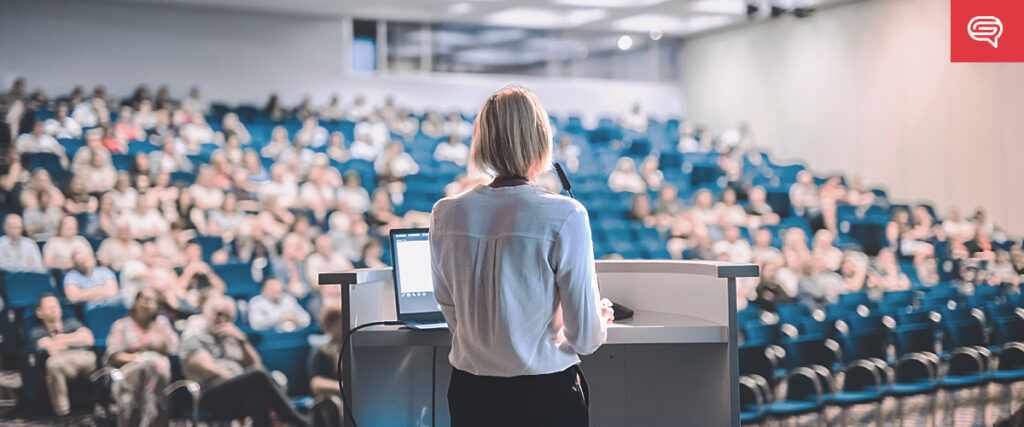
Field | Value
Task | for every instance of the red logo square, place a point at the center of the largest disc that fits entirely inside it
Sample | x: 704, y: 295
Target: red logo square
x: 987, y: 31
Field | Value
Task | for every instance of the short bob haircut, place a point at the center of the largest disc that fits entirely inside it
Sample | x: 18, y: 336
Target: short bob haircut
x: 512, y: 135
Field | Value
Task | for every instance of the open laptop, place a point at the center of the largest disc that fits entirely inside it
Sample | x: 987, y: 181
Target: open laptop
x: 414, y: 283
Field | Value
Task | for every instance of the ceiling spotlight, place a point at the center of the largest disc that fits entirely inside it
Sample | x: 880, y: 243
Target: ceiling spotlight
x: 625, y: 42
x: 752, y: 8
x: 656, y: 34
x: 582, y: 52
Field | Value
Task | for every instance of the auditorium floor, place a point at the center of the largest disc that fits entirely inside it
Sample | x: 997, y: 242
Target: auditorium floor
x: 974, y: 407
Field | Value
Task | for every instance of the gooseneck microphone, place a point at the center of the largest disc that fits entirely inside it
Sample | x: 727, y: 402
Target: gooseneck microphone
x: 620, y: 311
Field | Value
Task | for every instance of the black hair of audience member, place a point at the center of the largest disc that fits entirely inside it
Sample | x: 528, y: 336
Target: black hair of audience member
x: 42, y: 297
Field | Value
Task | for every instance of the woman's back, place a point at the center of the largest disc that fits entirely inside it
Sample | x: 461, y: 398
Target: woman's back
x: 504, y: 259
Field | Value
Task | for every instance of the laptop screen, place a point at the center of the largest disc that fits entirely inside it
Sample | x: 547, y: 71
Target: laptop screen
x: 414, y: 285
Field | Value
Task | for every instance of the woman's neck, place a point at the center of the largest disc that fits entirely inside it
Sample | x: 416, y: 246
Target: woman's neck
x: 509, y: 181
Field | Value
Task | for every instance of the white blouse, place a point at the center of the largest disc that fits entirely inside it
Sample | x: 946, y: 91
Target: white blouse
x: 505, y: 261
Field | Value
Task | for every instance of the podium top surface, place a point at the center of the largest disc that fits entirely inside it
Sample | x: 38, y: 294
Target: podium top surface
x: 719, y: 269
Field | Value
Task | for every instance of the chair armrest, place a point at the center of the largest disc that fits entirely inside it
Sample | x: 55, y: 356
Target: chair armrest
x: 826, y: 375
x: 812, y: 376
x: 766, y: 387
x: 1009, y: 347
x: 921, y: 358
x: 968, y: 352
x: 751, y: 384
x: 114, y: 374
x: 870, y: 367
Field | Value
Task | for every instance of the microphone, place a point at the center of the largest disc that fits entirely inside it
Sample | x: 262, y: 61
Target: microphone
x: 621, y: 312
x: 565, y: 180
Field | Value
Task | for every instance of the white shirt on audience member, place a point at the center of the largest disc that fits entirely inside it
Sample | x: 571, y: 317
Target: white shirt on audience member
x: 21, y: 256
x: 266, y: 314
x: 504, y: 260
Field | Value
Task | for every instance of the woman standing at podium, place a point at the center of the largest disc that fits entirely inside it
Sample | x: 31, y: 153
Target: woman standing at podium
x: 513, y: 270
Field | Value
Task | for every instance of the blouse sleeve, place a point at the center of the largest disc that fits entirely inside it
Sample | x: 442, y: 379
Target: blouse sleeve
x: 576, y: 279
x: 116, y: 340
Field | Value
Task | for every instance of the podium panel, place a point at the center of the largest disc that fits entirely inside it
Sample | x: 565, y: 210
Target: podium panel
x: 673, y: 364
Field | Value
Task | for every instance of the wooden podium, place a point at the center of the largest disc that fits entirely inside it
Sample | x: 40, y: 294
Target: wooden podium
x: 673, y: 364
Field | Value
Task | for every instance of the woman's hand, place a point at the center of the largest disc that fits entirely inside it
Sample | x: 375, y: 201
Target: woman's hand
x: 607, y: 313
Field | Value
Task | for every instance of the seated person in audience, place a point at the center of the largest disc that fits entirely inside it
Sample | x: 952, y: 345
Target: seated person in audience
x: 226, y: 365
x: 831, y: 193
x: 640, y: 209
x: 763, y: 252
x: 325, y: 259
x: 38, y: 141
x: 885, y: 274
x: 373, y: 131
x: 795, y: 249
x: 333, y: 111
x: 318, y: 192
x: 58, y: 251
x: 275, y: 309
x: 703, y: 214
x: 42, y: 219
x: 98, y: 175
x: 352, y: 197
x: 803, y: 195
x: 635, y: 119
x: 195, y: 131
x: 304, y: 110
x: 759, y: 212
x: 370, y: 256
x: 298, y: 155
x: 729, y: 212
x: 1017, y: 260
x: 290, y: 265
x: 830, y: 256
x: 230, y: 123
x: 126, y: 197
x: 733, y: 248
x: 394, y: 164
x: 17, y: 252
x: 278, y: 143
x: 111, y: 142
x: 126, y: 129
x: 91, y: 112
x: 247, y: 245
x: 770, y: 292
x: 957, y: 227
x: 433, y: 125
x: 139, y: 345
x: 854, y: 271
x: 140, y: 166
x: 61, y: 126
x: 458, y: 127
x: 324, y: 376
x: 381, y: 217
x: 205, y: 194
x: 120, y: 247
x: 87, y: 282
x: 282, y: 187
x: 819, y: 285
x: 197, y: 275
x: 147, y: 222
x: 668, y: 207
x: 348, y: 233
x: 336, y: 150
x: 311, y: 134
x: 80, y: 200
x: 856, y: 195
x: 169, y: 159
x: 40, y: 183
x: 730, y: 162
x: 917, y: 240
x: 567, y: 153
x: 453, y: 150
x: 625, y: 177
x: 689, y: 138
x: 226, y: 221
x: 68, y: 345
x: 653, y: 177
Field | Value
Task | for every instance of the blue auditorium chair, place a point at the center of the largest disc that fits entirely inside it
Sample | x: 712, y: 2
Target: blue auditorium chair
x: 122, y: 162
x: 916, y: 368
x: 209, y: 245
x: 238, y: 279
x: 100, y: 318
x: 23, y: 289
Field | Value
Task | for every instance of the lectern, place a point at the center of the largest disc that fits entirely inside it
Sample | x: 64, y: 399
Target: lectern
x: 673, y: 364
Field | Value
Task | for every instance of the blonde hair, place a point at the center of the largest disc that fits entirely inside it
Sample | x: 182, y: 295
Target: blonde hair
x: 512, y: 135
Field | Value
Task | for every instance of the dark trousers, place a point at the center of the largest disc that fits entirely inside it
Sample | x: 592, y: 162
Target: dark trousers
x: 556, y: 399
x: 252, y: 394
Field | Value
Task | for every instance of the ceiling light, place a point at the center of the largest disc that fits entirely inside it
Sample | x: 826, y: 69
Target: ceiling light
x: 535, y: 17
x: 460, y: 9
x: 625, y: 42
x: 656, y: 34
x: 733, y: 7
x: 644, y: 22
x: 582, y: 52
x: 609, y: 3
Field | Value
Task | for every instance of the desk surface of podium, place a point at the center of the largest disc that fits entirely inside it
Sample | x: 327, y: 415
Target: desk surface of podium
x: 673, y: 363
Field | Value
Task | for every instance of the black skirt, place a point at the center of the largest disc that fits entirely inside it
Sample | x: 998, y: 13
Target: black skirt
x: 558, y: 399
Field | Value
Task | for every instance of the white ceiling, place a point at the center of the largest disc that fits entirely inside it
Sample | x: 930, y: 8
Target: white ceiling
x: 672, y: 17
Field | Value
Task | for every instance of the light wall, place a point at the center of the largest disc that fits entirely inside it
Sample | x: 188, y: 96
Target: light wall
x: 243, y: 56
x: 868, y: 89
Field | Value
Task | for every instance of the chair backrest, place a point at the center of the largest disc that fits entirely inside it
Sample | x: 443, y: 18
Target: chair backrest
x: 99, y: 319
x: 238, y: 279
x: 291, y: 359
x: 807, y: 351
x: 913, y: 338
x: 23, y: 289
x: 1008, y: 329
x: 964, y: 333
x: 756, y: 333
x: 753, y: 359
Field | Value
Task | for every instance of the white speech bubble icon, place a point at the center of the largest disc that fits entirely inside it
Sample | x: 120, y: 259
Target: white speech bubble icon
x: 986, y: 29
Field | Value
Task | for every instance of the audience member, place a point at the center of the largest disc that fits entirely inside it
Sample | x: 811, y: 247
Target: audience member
x: 62, y: 126
x: 67, y: 343
x: 59, y: 250
x: 38, y: 141
x: 275, y: 309
x: 453, y: 150
x: 234, y: 382
x: 89, y: 283
x: 43, y: 218
x: 17, y: 252
x: 625, y: 178
x: 139, y: 345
